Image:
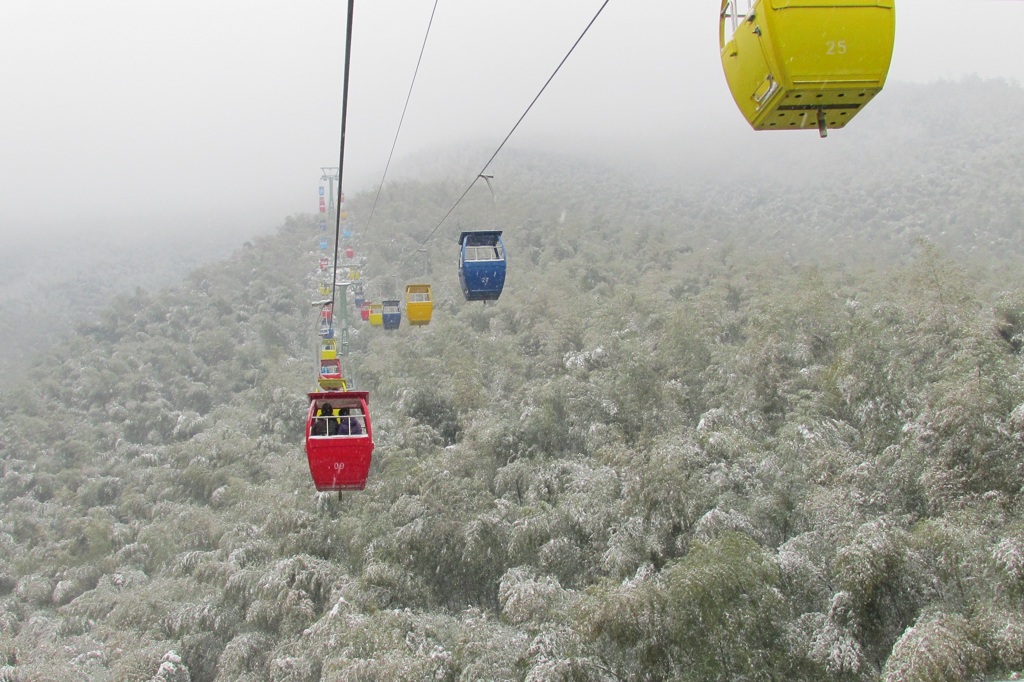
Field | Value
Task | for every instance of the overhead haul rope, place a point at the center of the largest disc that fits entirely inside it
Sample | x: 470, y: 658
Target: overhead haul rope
x: 341, y: 154
x: 402, y: 119
x: 500, y: 146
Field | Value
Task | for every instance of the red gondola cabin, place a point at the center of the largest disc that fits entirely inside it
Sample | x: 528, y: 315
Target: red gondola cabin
x: 330, y: 375
x: 339, y: 439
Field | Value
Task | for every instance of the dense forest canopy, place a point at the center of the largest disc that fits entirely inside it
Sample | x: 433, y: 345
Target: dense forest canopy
x: 769, y: 430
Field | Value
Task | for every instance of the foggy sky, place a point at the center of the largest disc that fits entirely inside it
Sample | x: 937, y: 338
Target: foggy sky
x: 151, y: 114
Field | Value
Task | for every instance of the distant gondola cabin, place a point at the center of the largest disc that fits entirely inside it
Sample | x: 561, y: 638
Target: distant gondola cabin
x: 419, y: 304
x: 376, y: 315
x: 330, y: 378
x: 798, y: 64
x: 339, y: 439
x: 481, y: 265
x: 326, y: 321
x: 328, y: 349
x: 350, y: 252
x: 391, y: 314
x: 364, y: 310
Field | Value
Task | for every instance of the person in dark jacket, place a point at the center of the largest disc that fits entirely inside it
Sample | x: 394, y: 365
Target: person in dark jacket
x: 326, y: 423
x: 350, y: 425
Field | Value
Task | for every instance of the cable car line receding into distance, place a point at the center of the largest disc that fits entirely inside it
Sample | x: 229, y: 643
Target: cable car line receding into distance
x: 834, y: 53
x: 339, y: 434
x: 341, y: 151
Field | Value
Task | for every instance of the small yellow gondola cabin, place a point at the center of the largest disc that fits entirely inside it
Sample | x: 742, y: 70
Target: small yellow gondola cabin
x: 419, y: 303
x: 376, y: 314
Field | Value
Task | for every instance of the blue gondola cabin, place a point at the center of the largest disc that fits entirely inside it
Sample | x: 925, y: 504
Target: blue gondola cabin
x: 481, y: 265
x: 392, y: 314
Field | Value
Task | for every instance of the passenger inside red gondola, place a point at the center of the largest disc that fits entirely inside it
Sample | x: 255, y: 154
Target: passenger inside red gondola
x: 329, y: 422
x: 351, y: 425
x: 339, y: 440
x: 325, y: 424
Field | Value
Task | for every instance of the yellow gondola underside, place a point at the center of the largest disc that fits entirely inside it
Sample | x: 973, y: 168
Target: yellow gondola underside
x: 333, y: 384
x: 796, y: 64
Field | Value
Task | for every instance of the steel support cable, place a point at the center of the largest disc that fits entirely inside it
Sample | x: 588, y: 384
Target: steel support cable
x: 510, y: 133
x: 341, y: 154
x: 408, y: 97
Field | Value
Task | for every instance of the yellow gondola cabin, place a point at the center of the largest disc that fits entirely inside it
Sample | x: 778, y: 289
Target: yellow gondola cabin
x: 328, y: 349
x: 419, y: 303
x: 798, y: 64
x: 376, y: 314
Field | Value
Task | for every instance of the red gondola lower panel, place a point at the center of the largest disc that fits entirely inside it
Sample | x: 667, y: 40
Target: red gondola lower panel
x: 339, y: 439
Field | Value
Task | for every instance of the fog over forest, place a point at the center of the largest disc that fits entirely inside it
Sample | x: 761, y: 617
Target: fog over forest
x: 124, y: 116
x: 724, y: 423
x: 163, y: 135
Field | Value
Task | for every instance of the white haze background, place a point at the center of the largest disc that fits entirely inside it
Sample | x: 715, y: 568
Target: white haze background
x: 129, y: 115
